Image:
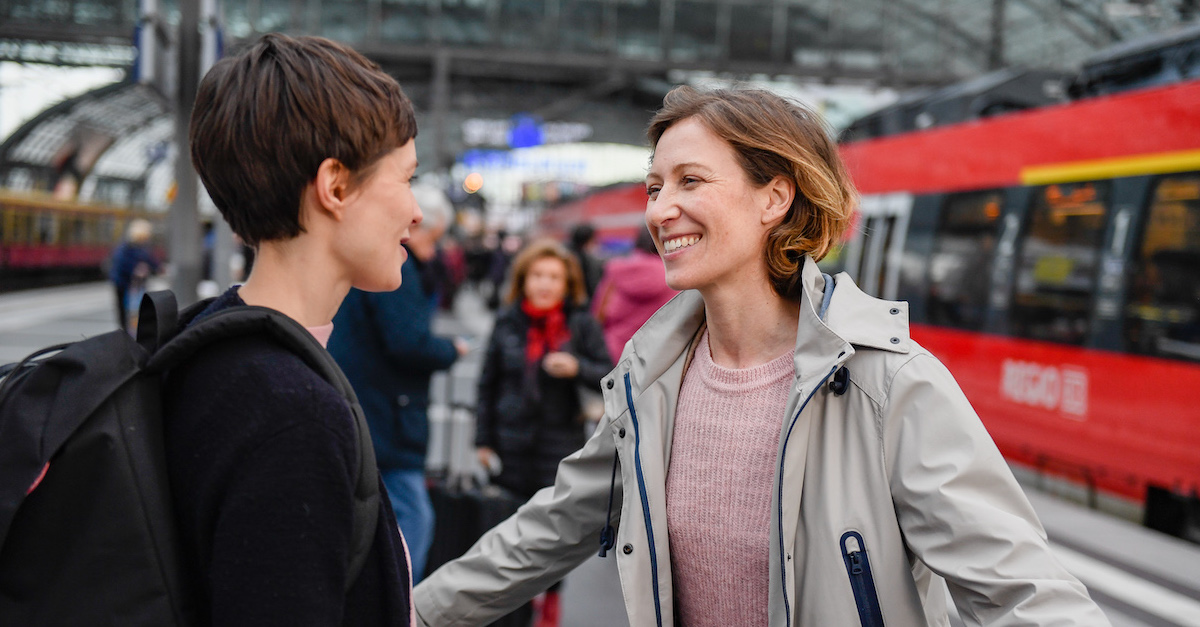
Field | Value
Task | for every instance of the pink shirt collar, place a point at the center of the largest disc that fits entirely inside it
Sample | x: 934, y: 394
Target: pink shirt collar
x: 322, y: 333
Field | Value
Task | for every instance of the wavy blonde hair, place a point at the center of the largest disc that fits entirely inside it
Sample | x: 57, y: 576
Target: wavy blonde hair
x: 773, y: 136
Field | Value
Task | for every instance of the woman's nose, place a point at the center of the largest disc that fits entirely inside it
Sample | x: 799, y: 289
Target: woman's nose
x: 661, y: 209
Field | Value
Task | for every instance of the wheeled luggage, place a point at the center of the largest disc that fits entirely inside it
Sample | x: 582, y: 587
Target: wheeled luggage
x: 463, y: 510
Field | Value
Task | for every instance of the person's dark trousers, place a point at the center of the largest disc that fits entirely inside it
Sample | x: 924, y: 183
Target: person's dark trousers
x: 122, y: 314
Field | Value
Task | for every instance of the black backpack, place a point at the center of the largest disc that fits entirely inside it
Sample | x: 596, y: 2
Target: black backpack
x: 87, y: 528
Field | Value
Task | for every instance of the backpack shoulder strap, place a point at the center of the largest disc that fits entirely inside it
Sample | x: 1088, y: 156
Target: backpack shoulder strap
x: 249, y: 320
x: 158, y: 318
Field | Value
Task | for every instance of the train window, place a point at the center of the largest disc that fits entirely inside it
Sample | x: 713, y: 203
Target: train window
x: 834, y: 261
x: 94, y: 230
x: 960, y: 265
x: 1163, y: 313
x: 1056, y: 268
x: 76, y: 232
x: 109, y: 231
x: 47, y: 232
x: 22, y: 223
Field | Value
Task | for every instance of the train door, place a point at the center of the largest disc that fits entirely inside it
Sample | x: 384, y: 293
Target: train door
x: 1117, y: 267
x: 874, y: 254
x: 1162, y: 312
x: 961, y: 259
x: 918, y: 246
x: 1016, y: 202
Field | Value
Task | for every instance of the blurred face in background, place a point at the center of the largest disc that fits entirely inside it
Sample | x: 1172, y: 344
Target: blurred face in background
x: 546, y: 283
x: 424, y: 238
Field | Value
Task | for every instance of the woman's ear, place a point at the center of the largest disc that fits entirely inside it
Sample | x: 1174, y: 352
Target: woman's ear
x: 331, y: 188
x: 780, y: 192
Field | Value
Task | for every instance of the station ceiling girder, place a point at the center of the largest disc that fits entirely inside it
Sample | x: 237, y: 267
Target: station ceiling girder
x: 887, y: 42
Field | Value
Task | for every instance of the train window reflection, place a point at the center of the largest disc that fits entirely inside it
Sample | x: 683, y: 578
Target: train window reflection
x: 1163, y: 314
x: 1056, y: 268
x: 961, y: 261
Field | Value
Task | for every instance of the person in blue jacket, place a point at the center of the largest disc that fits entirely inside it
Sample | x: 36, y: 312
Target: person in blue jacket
x: 385, y: 344
x: 132, y: 262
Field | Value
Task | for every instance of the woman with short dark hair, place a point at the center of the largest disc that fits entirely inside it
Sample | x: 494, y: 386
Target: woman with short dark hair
x: 306, y: 148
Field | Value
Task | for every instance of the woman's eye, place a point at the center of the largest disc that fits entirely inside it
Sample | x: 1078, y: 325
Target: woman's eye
x: 652, y: 190
x: 687, y: 180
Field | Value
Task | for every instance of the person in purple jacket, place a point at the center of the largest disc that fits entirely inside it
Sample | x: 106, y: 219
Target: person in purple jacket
x: 633, y: 288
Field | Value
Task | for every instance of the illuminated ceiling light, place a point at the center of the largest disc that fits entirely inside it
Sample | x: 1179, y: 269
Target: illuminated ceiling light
x: 473, y: 182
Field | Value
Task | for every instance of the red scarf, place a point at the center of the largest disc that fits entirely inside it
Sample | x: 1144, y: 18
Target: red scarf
x: 547, y: 330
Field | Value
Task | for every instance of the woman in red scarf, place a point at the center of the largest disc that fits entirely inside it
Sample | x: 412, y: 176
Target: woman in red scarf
x: 544, y: 347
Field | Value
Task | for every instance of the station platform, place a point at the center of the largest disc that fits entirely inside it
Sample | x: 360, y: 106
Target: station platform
x: 1140, y: 577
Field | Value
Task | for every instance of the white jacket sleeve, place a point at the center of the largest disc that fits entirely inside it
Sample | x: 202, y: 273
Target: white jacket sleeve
x: 548, y: 537
x: 964, y: 515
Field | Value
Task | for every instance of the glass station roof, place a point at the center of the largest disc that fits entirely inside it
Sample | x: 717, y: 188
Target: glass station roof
x: 125, y: 130
x: 897, y: 42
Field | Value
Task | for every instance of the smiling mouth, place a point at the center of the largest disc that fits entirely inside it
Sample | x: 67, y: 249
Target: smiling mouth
x: 673, y: 245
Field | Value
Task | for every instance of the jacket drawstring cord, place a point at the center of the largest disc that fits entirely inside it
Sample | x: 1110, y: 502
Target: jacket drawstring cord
x: 841, y: 378
x: 608, y: 537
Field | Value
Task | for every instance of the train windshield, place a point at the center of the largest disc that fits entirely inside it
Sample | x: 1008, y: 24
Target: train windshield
x: 1163, y: 314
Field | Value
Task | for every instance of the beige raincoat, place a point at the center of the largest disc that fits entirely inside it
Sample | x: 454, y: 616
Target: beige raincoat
x: 884, y: 494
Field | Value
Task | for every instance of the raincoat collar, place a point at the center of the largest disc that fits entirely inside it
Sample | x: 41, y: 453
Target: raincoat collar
x: 853, y: 319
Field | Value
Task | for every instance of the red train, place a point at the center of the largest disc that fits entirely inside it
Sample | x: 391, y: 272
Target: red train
x: 1051, y: 259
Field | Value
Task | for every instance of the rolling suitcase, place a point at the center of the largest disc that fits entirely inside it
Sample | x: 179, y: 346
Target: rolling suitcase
x: 463, y: 510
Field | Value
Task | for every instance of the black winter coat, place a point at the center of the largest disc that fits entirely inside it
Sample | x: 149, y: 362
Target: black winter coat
x: 262, y: 460
x: 531, y: 434
x: 384, y: 343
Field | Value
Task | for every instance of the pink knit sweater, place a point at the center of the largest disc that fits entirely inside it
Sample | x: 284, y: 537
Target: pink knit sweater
x: 719, y: 485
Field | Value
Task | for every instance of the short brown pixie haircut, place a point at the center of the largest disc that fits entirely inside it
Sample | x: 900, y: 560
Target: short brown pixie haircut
x: 265, y: 119
x: 541, y: 249
x: 772, y: 137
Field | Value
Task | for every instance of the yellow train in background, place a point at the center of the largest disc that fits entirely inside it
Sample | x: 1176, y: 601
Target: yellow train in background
x: 44, y: 241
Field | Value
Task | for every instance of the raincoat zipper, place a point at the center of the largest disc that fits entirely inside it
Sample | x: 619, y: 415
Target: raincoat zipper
x: 858, y: 567
x: 637, y: 464
x: 826, y: 298
x: 787, y: 606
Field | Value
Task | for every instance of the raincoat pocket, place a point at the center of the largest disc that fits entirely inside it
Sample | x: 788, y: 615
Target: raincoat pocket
x: 858, y: 568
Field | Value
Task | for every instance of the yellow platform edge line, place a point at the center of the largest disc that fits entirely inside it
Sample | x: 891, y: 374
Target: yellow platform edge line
x: 1158, y: 163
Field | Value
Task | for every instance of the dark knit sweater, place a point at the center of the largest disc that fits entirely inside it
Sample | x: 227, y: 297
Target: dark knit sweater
x: 262, y: 462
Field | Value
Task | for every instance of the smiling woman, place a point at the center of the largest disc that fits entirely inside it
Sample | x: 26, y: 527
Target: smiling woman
x: 781, y: 451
